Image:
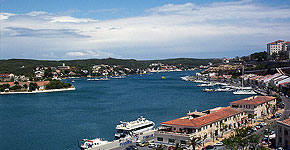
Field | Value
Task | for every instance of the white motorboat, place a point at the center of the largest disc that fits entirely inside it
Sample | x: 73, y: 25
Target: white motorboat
x: 223, y: 90
x: 99, y: 79
x: 185, y: 78
x: 206, y: 85
x: 244, y: 92
x: 118, y: 77
x: 208, y: 90
x: 91, y: 144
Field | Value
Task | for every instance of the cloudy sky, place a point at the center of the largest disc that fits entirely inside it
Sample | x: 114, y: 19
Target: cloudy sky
x: 149, y: 29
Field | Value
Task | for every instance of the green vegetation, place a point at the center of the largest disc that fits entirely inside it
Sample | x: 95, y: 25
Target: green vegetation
x: 241, y: 139
x: 161, y: 147
x: 33, y: 86
x: 56, y: 84
x: 26, y: 66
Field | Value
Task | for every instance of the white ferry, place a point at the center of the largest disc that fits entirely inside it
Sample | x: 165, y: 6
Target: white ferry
x: 134, y: 127
x: 127, y: 133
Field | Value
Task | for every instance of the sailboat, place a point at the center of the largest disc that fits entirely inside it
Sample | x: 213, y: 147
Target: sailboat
x: 244, y: 90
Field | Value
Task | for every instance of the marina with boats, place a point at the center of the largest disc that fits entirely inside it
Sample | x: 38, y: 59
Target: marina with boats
x: 219, y: 86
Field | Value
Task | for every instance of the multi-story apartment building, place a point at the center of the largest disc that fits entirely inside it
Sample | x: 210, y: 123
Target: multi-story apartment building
x: 278, y: 46
x: 208, y: 125
x: 256, y: 105
x: 283, y: 134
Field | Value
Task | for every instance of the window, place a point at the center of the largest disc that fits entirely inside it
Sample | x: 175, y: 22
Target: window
x: 159, y: 139
x: 171, y: 140
x: 182, y: 142
x: 285, y: 132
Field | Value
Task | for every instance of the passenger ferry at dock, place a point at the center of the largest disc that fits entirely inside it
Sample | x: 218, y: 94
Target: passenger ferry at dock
x: 127, y: 133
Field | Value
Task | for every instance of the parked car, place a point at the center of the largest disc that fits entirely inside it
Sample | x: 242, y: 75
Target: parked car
x: 138, y: 143
x: 131, y: 147
x: 219, y: 144
x: 209, y: 147
x: 143, y: 144
x: 279, y: 148
x: 152, y: 145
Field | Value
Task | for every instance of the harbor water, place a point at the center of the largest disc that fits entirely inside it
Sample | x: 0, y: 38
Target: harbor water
x: 58, y: 120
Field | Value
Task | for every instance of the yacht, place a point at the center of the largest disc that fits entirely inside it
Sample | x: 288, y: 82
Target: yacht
x: 133, y: 127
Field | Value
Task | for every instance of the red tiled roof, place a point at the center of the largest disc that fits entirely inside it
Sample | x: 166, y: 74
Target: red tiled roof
x: 206, y: 119
x: 4, y: 75
x: 254, y: 100
x: 276, y: 42
x: 42, y: 83
x: 287, y: 121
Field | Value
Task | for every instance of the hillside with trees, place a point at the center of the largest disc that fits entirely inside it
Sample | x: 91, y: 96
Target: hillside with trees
x: 26, y: 66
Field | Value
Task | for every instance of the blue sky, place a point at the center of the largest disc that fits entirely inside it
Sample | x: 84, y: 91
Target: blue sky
x: 151, y: 29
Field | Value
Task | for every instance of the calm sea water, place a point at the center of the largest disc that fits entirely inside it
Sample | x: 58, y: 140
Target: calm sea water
x: 58, y: 120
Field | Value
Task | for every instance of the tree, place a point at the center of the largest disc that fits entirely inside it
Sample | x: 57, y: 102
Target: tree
x: 161, y: 147
x: 253, y: 140
x: 260, y: 56
x: 177, y: 147
x: 282, y: 55
x: 275, y: 56
x: 224, y: 127
x: 33, y: 86
x: 25, y: 86
x: 194, y: 141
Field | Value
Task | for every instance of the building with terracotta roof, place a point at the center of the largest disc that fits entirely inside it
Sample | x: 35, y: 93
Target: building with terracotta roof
x: 277, y: 47
x: 6, y: 77
x: 208, y: 124
x: 255, y: 105
x: 283, y: 134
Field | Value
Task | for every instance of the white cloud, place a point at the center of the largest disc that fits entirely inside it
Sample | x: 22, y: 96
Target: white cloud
x: 4, y: 16
x: 89, y: 54
x: 70, y: 19
x: 174, y: 30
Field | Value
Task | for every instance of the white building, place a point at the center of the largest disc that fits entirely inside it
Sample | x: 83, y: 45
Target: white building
x: 278, y: 46
x: 283, y: 134
x: 255, y: 105
x: 208, y: 125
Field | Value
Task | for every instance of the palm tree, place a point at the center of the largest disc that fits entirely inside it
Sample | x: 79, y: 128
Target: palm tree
x: 194, y: 142
x: 160, y: 147
x: 177, y: 147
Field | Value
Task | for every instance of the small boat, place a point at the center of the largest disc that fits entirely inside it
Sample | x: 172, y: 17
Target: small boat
x: 99, y: 79
x: 73, y: 81
x: 186, y: 78
x: 244, y: 92
x: 90, y: 144
x: 162, y: 77
x: 204, y: 85
x: 118, y: 77
x: 223, y: 90
x: 208, y: 90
